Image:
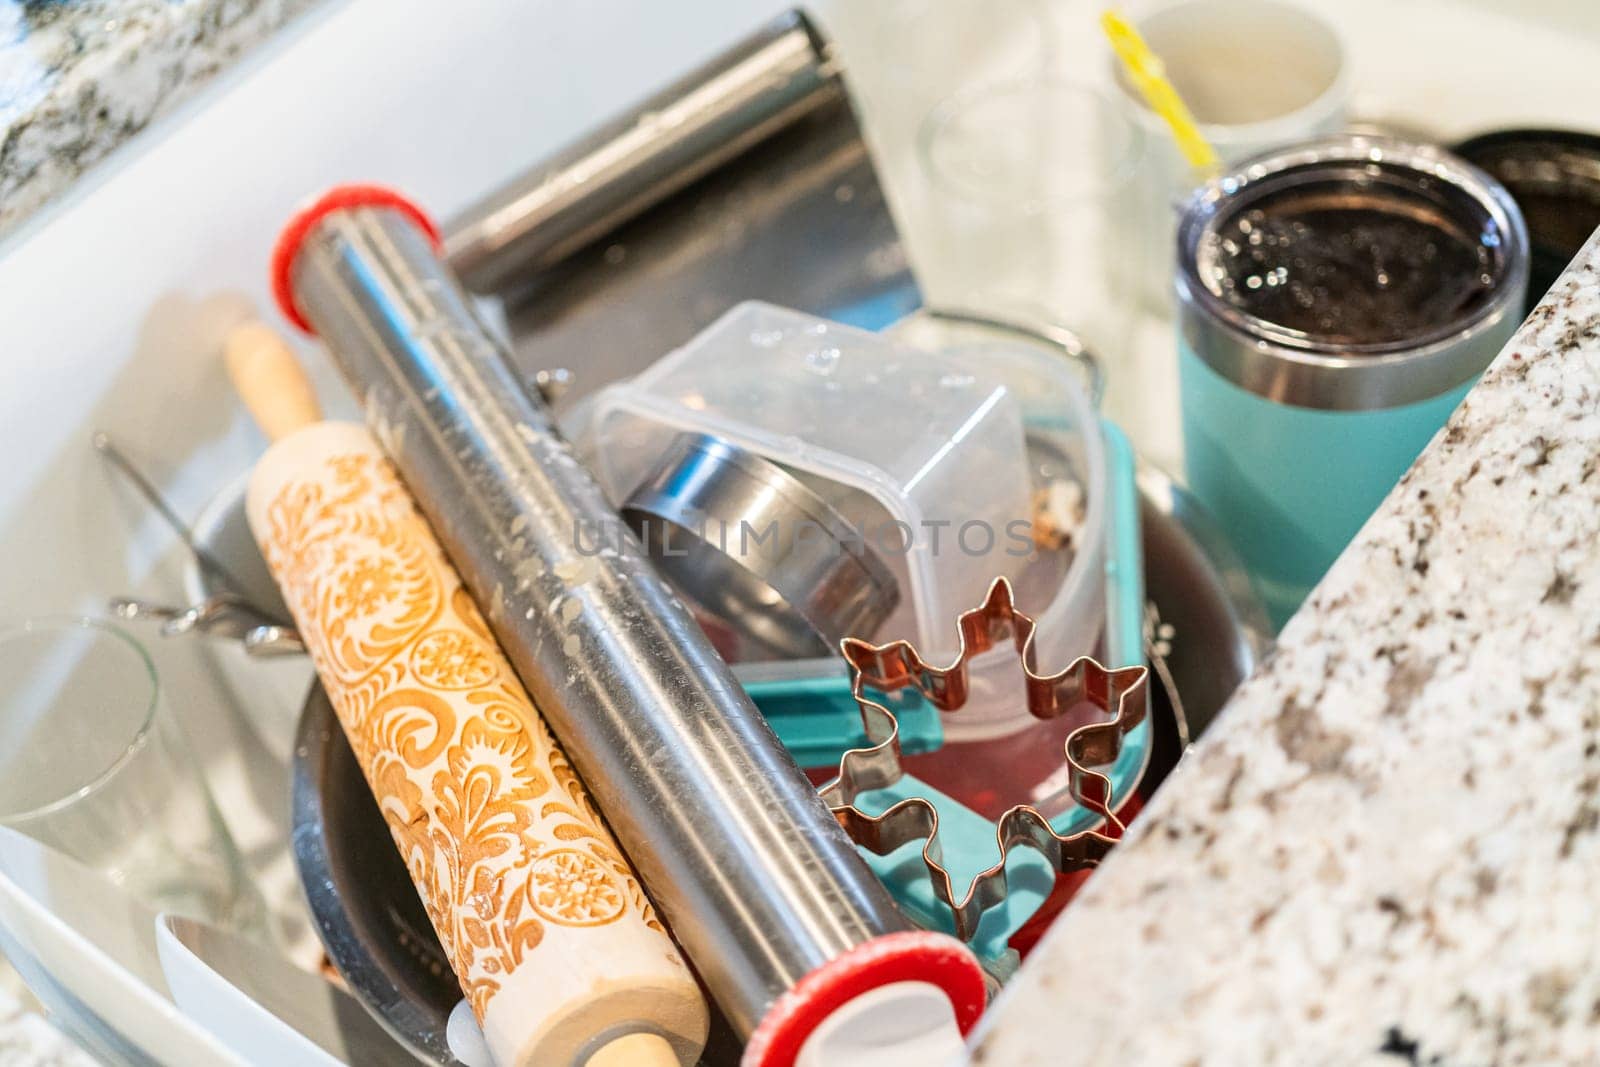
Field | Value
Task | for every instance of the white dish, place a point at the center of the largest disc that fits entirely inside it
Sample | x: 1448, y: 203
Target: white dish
x: 263, y: 1007
x: 88, y: 952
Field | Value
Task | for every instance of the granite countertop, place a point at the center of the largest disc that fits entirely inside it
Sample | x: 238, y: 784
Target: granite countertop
x: 1386, y: 849
x: 27, y: 1040
x: 80, y: 77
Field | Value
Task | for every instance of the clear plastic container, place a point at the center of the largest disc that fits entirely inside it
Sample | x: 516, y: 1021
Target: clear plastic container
x: 888, y: 430
x: 922, y: 456
x: 1064, y: 591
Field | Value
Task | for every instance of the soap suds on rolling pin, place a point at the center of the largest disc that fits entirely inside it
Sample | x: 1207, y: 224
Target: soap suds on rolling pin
x: 575, y: 571
x: 390, y: 435
x: 526, y: 570
x: 566, y: 607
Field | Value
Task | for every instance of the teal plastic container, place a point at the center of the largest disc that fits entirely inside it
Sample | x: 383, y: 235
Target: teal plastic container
x: 1293, y: 437
x: 818, y: 721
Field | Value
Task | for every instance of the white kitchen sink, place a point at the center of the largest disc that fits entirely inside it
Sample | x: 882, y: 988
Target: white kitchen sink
x: 114, y: 300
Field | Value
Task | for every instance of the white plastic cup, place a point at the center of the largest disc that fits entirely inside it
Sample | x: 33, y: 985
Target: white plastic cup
x: 1256, y: 75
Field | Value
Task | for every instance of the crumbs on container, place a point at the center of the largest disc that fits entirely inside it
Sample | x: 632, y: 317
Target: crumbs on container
x: 1059, y: 510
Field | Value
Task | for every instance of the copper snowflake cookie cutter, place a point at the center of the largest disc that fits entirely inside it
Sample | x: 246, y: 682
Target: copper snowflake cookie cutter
x: 1119, y: 693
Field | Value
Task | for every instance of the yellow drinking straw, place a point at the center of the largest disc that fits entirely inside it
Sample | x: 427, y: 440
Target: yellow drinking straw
x: 1149, y: 76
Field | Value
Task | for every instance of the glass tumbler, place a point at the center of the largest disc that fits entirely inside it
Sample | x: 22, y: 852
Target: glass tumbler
x: 92, y: 765
x: 923, y: 51
x: 1025, y: 180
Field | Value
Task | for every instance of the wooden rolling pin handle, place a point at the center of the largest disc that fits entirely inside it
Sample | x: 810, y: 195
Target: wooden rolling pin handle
x: 642, y: 1049
x: 270, y: 380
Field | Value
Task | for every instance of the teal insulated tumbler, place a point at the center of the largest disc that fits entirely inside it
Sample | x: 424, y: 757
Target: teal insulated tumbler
x: 1336, y: 301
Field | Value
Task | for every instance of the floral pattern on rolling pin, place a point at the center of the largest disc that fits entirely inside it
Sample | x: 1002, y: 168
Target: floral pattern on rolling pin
x: 498, y: 833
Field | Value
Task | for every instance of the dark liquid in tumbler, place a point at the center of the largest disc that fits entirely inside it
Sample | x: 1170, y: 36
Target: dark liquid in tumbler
x: 1353, y: 262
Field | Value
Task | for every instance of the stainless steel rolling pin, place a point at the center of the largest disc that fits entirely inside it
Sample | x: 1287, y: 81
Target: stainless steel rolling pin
x: 777, y: 912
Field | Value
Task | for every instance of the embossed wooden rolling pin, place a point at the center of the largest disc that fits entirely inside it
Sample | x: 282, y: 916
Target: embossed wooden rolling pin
x: 783, y: 921
x: 557, y: 949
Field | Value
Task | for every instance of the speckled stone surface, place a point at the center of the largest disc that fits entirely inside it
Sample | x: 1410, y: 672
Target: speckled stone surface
x: 79, y: 77
x: 28, y: 1040
x: 1386, y: 851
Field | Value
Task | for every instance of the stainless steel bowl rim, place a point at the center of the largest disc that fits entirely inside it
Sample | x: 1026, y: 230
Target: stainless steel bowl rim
x: 690, y: 510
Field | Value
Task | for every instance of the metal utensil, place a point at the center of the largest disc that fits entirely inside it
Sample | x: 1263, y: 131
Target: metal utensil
x: 1119, y: 694
x: 147, y: 489
x: 269, y: 641
x: 222, y: 615
x: 685, y: 131
x: 781, y: 565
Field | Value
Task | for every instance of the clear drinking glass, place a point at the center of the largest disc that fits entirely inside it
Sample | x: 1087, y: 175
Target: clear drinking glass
x: 92, y: 765
x: 1025, y: 180
x: 926, y: 50
x: 904, y: 56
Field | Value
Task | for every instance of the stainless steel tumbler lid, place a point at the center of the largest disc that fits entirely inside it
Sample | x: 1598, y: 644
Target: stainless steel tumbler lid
x: 757, y: 548
x: 1298, y: 368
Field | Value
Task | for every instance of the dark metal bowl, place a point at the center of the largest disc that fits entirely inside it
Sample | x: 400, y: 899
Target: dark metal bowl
x: 366, y: 910
x: 1554, y: 176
